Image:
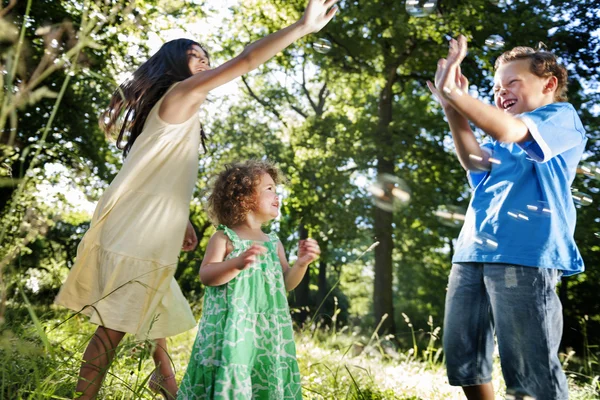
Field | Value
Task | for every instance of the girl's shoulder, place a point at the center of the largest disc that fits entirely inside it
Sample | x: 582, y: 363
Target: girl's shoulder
x: 228, y: 233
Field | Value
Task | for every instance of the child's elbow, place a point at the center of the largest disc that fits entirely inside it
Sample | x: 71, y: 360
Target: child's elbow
x: 205, y: 280
x: 248, y: 62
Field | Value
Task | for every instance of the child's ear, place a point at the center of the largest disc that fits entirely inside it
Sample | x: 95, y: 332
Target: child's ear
x: 551, y: 85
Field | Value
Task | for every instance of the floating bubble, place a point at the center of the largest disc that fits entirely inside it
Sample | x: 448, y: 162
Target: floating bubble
x: 580, y: 198
x: 495, y: 42
x: 499, y: 3
x: 486, y: 242
x: 322, y: 46
x: 541, y: 208
x: 518, y: 215
x: 390, y: 192
x: 590, y: 170
x: 420, y: 8
x: 534, y: 210
x: 451, y: 216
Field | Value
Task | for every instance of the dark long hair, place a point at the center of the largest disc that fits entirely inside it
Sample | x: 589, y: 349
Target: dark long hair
x: 131, y: 103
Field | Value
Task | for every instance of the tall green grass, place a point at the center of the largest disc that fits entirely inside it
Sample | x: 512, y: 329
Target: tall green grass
x: 347, y: 363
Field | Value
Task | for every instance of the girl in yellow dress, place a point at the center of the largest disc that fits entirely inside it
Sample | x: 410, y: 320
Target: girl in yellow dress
x: 123, y: 276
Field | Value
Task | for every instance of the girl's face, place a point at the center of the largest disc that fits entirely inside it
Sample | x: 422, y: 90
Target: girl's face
x: 267, y: 204
x: 197, y: 60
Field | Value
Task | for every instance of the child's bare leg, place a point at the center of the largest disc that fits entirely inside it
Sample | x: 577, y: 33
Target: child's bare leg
x: 479, y: 392
x: 164, y: 368
x: 96, y: 360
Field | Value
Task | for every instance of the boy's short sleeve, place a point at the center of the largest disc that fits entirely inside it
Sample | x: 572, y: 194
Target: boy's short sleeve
x: 475, y: 177
x: 555, y: 128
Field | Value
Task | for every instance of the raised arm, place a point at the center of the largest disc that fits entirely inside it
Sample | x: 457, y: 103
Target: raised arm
x: 183, y: 101
x: 496, y: 123
x: 214, y: 271
x: 468, y: 150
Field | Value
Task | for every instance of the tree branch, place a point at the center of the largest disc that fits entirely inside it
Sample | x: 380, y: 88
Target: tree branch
x: 265, y: 104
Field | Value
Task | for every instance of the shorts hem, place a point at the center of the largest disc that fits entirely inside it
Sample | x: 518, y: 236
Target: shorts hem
x: 470, y: 382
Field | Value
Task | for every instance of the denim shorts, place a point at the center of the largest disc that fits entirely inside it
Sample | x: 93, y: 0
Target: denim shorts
x: 521, y: 304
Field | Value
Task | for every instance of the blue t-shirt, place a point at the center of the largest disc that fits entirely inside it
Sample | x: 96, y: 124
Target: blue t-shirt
x: 521, y: 211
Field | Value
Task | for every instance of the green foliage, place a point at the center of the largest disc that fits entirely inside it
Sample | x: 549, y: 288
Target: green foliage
x: 331, y: 121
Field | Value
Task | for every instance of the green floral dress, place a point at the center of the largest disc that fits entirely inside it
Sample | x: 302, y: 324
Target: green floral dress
x: 245, y: 344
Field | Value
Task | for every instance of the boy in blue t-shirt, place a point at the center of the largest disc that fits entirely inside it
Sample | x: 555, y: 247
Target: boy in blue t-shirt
x: 517, y: 239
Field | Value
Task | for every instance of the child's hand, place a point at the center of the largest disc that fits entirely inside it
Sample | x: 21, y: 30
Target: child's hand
x: 248, y: 257
x: 448, y: 78
x: 316, y: 15
x: 460, y: 80
x: 190, y: 241
x: 308, y: 251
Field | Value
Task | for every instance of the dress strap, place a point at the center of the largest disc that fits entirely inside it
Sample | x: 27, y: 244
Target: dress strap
x: 229, y: 233
x: 273, y: 238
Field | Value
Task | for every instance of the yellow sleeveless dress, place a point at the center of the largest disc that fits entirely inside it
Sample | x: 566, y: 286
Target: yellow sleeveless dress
x: 123, y: 274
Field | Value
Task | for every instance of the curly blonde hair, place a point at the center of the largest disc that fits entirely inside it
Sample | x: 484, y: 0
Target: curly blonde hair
x: 542, y: 64
x: 234, y: 190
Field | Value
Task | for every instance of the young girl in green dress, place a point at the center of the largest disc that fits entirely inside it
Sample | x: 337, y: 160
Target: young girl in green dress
x: 124, y: 274
x: 245, y: 346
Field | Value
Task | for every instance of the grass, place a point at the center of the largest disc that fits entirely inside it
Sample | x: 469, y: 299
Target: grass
x: 335, y: 364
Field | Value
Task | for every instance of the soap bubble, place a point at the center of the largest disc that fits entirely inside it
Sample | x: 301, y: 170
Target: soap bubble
x: 580, y: 198
x: 539, y: 209
x: 322, y: 46
x: 451, y: 216
x: 495, y: 42
x: 499, y: 3
x: 420, y: 8
x: 590, y: 170
x: 390, y: 192
x: 486, y: 241
x: 533, y: 210
x: 518, y: 215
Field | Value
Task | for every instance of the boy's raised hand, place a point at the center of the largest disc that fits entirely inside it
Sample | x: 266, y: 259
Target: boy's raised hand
x: 448, y: 77
x: 248, y: 257
x: 316, y: 15
x: 460, y: 81
x: 308, y: 251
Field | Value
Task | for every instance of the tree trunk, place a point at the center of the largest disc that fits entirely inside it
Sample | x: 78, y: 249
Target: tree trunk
x: 383, y: 290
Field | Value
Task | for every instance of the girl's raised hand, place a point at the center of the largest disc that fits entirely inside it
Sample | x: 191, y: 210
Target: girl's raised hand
x: 248, y: 257
x: 318, y: 13
x: 308, y: 251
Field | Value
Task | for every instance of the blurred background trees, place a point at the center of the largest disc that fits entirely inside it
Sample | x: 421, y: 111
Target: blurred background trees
x: 335, y: 110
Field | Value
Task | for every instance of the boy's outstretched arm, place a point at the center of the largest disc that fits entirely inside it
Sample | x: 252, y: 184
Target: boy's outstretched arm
x: 469, y: 152
x: 308, y: 251
x: 496, y: 123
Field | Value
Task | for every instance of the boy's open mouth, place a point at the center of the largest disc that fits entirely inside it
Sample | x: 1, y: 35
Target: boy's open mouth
x: 507, y: 104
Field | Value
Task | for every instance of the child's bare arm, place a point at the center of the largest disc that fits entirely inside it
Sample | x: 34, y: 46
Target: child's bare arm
x: 496, y: 123
x: 183, y: 101
x: 470, y: 155
x: 308, y: 251
x: 214, y: 271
